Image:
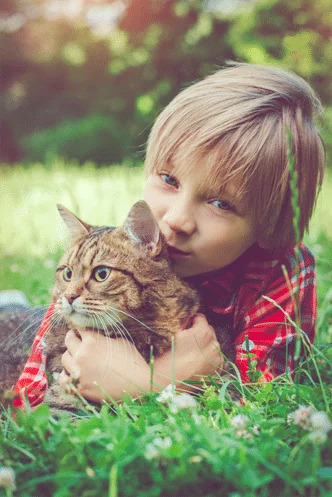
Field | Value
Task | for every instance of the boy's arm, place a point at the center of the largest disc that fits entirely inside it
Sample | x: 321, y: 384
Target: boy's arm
x: 271, y: 335
x: 32, y: 383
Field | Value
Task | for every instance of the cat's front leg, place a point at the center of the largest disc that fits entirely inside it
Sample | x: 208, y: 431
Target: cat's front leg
x: 57, y: 397
x: 55, y: 346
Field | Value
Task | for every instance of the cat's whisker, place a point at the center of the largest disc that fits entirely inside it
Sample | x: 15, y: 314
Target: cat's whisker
x: 123, y: 332
x: 99, y: 311
x: 106, y: 332
x: 12, y: 337
x: 116, y: 326
x: 119, y: 324
x: 57, y: 322
x: 112, y: 322
x: 137, y: 320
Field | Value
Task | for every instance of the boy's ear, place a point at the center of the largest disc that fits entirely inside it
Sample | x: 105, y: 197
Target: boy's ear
x: 75, y: 226
x: 142, y: 227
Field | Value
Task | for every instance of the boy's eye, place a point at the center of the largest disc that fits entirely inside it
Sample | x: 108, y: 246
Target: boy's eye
x: 67, y: 274
x: 222, y: 205
x: 170, y: 180
x: 101, y: 273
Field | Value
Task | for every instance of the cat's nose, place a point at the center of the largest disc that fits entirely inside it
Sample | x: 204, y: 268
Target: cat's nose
x: 71, y: 297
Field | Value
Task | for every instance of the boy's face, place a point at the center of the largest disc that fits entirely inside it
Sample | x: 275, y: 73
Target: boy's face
x: 204, y: 230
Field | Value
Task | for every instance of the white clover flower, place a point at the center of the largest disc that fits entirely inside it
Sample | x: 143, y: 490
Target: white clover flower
x: 162, y: 443
x: 166, y: 394
x: 7, y: 478
x: 320, y: 421
x: 243, y: 433
x: 182, y: 401
x: 302, y: 417
x: 151, y: 451
x: 255, y: 430
x: 239, y: 421
x: 176, y: 401
x: 317, y: 436
x: 90, y: 472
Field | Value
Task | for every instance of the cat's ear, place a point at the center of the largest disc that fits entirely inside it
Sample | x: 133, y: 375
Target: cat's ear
x: 142, y: 227
x: 75, y: 226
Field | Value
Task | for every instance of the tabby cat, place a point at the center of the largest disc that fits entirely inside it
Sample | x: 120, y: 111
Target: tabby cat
x: 116, y: 281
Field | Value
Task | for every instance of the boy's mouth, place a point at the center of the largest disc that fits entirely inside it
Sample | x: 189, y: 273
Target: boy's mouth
x: 175, y: 253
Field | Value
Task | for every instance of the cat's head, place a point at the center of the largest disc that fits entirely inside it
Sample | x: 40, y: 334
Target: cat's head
x: 105, y: 270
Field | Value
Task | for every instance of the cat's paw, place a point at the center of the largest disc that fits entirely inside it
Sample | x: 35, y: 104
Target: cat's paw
x: 58, y: 398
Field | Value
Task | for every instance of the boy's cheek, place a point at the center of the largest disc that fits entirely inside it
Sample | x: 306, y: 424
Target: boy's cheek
x: 151, y: 197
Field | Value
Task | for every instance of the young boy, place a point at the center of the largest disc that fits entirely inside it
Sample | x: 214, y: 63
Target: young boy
x: 217, y: 181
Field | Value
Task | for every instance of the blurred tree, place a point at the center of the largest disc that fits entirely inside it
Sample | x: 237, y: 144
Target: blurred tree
x: 294, y: 34
x: 178, y: 43
x: 123, y: 63
x: 65, y: 71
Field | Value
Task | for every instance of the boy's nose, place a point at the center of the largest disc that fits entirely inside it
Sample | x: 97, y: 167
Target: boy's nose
x: 180, y: 220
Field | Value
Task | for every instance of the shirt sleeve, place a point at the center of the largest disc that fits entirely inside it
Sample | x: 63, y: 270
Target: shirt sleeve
x: 267, y: 330
x: 32, y: 383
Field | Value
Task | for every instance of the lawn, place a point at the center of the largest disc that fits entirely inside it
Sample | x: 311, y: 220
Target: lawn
x: 210, y: 444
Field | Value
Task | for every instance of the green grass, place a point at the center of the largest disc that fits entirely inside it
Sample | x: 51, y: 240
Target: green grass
x: 141, y: 447
x: 30, y: 223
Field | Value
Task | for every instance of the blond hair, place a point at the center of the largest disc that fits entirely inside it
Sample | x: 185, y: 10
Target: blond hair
x: 236, y: 122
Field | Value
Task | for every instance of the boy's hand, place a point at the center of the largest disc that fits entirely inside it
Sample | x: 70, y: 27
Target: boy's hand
x: 103, y: 364
x: 117, y: 366
x: 196, y: 354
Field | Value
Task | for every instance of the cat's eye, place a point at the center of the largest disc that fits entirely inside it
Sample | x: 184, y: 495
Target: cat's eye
x: 67, y: 274
x: 101, y: 273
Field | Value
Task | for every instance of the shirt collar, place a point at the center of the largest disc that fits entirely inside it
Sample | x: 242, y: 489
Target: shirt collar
x: 252, y: 266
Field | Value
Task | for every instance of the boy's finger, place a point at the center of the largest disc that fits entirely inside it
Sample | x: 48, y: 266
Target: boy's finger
x: 72, y: 341
x: 64, y: 378
x: 192, y: 321
x: 87, y: 334
x: 199, y: 317
x: 69, y: 365
x: 67, y: 361
x: 199, y: 322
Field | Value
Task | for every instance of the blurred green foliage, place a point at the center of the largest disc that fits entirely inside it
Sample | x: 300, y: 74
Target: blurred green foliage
x: 94, y: 137
x: 92, y: 91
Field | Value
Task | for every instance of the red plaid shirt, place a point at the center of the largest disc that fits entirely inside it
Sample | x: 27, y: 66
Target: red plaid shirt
x: 235, y: 297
